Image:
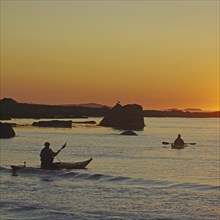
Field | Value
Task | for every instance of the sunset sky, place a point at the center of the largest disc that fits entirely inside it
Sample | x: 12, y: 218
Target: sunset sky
x: 159, y: 54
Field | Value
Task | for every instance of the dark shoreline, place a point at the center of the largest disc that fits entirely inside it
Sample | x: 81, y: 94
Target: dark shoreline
x: 9, y: 108
x: 180, y: 114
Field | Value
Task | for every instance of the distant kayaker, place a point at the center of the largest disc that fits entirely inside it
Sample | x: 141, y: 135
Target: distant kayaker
x: 179, y: 140
x: 47, y: 156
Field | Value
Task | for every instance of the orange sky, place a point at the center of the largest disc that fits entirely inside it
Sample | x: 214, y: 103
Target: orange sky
x: 160, y: 54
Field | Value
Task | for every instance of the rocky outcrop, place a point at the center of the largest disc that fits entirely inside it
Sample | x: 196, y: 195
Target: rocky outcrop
x: 8, y: 101
x: 53, y: 123
x: 5, y: 118
x: 129, y: 117
x: 129, y: 132
x: 6, y: 131
x: 84, y: 122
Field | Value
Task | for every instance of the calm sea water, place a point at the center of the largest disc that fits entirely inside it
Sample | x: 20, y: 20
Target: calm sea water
x: 131, y: 177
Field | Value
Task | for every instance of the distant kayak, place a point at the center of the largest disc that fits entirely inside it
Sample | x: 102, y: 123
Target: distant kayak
x: 59, y: 165
x: 175, y: 146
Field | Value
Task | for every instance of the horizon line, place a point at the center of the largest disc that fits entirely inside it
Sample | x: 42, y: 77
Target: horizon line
x: 189, y: 109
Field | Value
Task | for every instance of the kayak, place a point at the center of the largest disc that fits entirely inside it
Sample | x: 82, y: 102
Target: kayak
x: 77, y: 165
x: 59, y: 165
x: 176, y: 146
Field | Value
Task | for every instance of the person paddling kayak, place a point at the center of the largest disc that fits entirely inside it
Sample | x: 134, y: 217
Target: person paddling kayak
x: 179, y: 141
x: 47, y: 156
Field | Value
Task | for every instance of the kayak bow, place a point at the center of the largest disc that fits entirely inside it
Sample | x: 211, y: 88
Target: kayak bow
x: 175, y: 146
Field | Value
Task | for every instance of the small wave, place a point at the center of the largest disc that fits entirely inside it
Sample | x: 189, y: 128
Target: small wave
x: 96, y: 176
x: 4, y: 169
x: 194, y: 186
x: 119, y: 178
x: 21, y: 208
x: 149, y: 183
x: 84, y: 175
x: 47, y: 180
x: 31, y: 170
x: 67, y: 174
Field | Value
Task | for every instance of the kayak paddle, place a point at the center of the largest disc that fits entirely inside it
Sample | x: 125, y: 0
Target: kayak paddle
x: 61, y: 148
x: 166, y: 143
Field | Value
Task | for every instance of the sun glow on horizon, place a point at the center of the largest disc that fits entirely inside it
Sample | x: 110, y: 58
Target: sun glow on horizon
x: 162, y: 54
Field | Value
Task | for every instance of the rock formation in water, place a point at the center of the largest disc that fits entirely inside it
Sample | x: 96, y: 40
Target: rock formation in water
x: 129, y: 117
x: 84, y: 122
x: 6, y: 131
x: 53, y: 123
x: 129, y: 132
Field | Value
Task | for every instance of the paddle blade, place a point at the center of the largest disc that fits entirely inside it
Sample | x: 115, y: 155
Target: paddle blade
x: 64, y: 146
x: 192, y: 143
x: 165, y: 143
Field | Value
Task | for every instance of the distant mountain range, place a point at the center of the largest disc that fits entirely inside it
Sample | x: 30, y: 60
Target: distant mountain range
x: 192, y: 109
x: 185, y: 110
x: 181, y: 114
x: 89, y: 105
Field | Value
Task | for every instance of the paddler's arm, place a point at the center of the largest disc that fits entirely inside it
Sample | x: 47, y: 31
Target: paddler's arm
x: 52, y: 153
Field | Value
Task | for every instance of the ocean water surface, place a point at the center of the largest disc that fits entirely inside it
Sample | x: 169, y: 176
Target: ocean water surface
x: 130, y: 177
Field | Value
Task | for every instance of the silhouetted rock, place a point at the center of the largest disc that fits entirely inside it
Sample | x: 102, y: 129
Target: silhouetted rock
x: 11, y: 124
x: 53, y: 123
x: 124, y: 117
x: 6, y: 118
x: 129, y: 132
x: 6, y: 131
x: 84, y: 122
x: 8, y: 101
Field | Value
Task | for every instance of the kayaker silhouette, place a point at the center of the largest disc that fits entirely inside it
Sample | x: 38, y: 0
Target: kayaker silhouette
x: 47, y: 156
x: 179, y: 140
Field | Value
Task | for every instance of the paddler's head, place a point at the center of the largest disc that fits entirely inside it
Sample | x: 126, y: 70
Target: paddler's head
x: 46, y: 144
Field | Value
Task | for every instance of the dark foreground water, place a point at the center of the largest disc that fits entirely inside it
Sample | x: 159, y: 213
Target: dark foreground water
x: 130, y: 177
